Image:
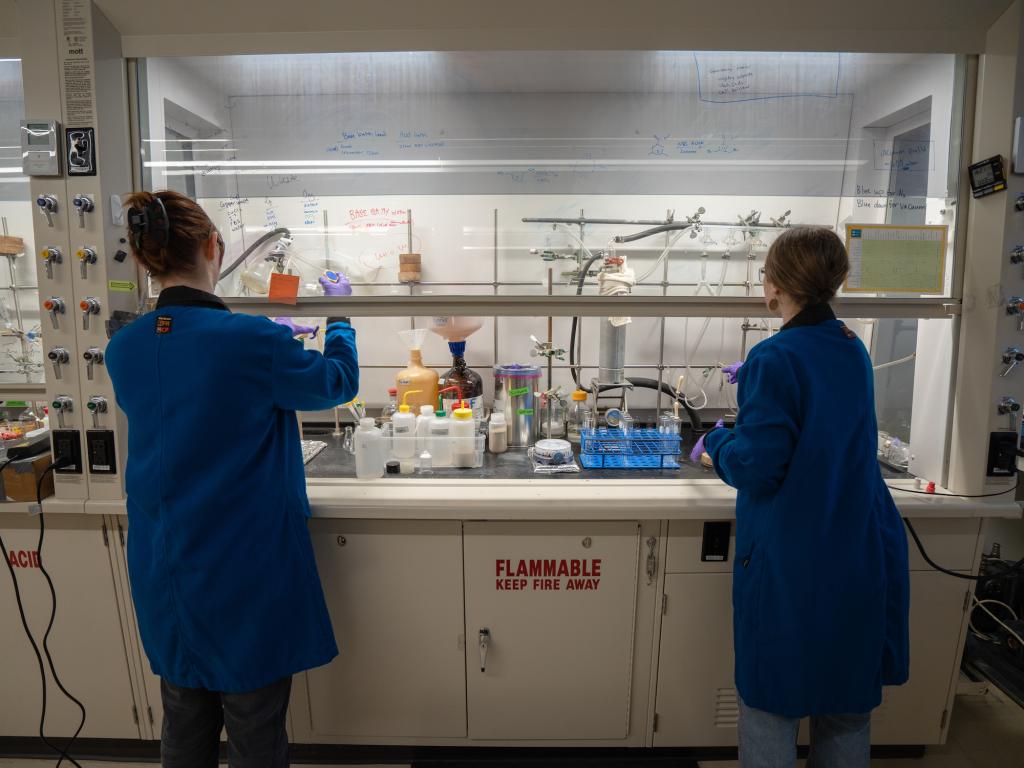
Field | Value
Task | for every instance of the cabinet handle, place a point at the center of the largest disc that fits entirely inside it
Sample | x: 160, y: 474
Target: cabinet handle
x: 485, y: 640
x: 652, y: 559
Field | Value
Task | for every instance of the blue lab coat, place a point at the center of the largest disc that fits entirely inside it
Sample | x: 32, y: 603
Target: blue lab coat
x: 219, y: 555
x: 820, y: 578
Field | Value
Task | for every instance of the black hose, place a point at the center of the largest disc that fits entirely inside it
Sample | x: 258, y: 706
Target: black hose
x: 280, y: 231
x: 695, y: 420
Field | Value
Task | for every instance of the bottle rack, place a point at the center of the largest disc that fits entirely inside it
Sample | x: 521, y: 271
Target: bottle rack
x: 645, y: 448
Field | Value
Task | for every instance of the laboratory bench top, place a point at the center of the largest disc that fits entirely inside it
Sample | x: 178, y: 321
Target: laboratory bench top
x: 506, y: 488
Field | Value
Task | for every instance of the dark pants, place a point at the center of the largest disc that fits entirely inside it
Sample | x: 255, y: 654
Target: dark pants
x: 255, y: 722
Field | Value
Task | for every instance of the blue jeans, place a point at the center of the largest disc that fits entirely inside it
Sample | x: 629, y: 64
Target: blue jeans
x: 837, y: 741
x: 255, y: 722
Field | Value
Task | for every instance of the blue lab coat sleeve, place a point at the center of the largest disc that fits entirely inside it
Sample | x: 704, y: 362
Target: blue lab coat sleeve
x: 304, y: 380
x: 755, y: 455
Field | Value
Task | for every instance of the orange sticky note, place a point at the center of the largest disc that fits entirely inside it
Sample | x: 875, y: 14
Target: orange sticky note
x: 284, y: 289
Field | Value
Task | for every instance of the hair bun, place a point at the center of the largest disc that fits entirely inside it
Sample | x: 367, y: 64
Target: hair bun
x: 167, y: 231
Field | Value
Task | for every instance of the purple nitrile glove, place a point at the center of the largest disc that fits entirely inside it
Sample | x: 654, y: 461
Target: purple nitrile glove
x: 731, y: 372
x: 297, y: 330
x: 340, y: 288
x: 698, y: 449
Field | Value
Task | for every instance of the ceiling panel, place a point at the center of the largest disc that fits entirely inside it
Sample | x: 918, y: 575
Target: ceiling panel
x: 239, y: 26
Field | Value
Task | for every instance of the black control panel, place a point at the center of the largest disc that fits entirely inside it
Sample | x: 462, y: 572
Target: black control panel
x: 714, y: 547
x: 67, y: 445
x: 100, y: 447
x: 1002, y: 454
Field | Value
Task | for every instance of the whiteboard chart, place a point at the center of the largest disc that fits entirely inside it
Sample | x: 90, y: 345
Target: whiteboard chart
x: 886, y: 258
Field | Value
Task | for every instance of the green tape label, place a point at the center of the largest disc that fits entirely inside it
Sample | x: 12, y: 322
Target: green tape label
x: 520, y: 391
x: 14, y: 404
x: 121, y: 286
x: 524, y: 412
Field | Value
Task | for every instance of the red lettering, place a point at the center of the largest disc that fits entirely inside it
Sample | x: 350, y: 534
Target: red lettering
x: 575, y: 571
x: 499, y: 585
x: 563, y: 568
x: 500, y: 566
x: 23, y: 559
x: 35, y: 559
x: 521, y: 569
x: 597, y: 568
x: 535, y: 567
x: 549, y: 568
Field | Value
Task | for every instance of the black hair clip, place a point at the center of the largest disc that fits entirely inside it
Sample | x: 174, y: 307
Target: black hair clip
x: 149, y: 220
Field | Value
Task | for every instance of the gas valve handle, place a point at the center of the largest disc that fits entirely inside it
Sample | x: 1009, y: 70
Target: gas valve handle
x: 1012, y: 357
x: 485, y: 641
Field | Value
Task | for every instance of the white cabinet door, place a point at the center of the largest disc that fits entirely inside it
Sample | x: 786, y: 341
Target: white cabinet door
x: 697, y: 704
x: 912, y: 713
x: 558, y: 601
x: 394, y: 591
x: 86, y: 643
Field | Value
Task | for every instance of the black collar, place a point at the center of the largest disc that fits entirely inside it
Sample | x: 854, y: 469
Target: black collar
x: 812, y: 314
x: 183, y: 296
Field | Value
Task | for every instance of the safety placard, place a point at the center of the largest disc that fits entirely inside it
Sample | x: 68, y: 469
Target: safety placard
x: 890, y: 258
x: 547, y: 575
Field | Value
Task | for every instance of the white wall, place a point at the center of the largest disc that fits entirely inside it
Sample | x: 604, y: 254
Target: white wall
x: 806, y: 155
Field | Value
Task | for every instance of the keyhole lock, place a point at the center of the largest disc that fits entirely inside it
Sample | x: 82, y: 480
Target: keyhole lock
x: 55, y: 306
x: 342, y: 541
x: 587, y: 543
x: 48, y: 206
x: 93, y: 356
x: 58, y: 356
x: 89, y: 306
x: 97, y: 404
x: 83, y: 204
x: 51, y: 256
x: 1012, y: 357
x: 86, y: 256
x: 62, y: 404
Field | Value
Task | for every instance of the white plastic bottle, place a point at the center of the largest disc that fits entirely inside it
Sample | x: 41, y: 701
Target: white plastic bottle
x: 403, y: 429
x: 369, y: 444
x: 440, y: 443
x: 423, y: 427
x: 463, y: 437
x: 497, y: 433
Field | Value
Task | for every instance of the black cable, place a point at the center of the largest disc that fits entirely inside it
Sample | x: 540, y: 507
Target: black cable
x: 53, y: 617
x: 955, y: 495
x: 28, y: 631
x: 932, y: 563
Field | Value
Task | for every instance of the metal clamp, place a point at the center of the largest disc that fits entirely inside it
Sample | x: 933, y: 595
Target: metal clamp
x: 546, y: 349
